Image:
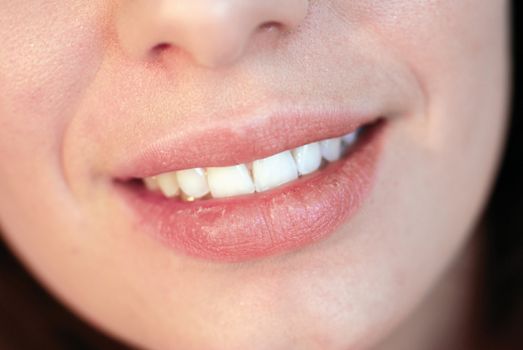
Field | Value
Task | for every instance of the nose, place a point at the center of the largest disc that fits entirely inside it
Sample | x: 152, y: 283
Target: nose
x: 212, y: 32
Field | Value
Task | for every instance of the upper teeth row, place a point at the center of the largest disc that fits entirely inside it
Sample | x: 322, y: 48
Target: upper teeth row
x: 260, y: 175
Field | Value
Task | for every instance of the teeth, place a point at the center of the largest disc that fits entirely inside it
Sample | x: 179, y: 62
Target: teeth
x: 168, y: 184
x: 331, y: 149
x: 229, y: 181
x: 151, y: 183
x: 274, y: 171
x: 351, y: 138
x: 308, y: 158
x: 193, y: 182
x: 267, y: 173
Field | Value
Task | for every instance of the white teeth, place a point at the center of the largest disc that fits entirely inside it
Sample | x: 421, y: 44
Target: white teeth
x: 267, y: 173
x: 308, y: 158
x: 168, y: 184
x: 193, y: 182
x: 274, y: 171
x: 229, y: 181
x: 331, y: 149
x: 151, y: 183
x: 351, y: 138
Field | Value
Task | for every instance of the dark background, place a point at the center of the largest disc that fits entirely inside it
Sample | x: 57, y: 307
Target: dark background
x: 504, y: 306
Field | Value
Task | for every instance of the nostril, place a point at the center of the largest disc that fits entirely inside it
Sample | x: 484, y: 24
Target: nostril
x: 161, y: 47
x: 270, y: 25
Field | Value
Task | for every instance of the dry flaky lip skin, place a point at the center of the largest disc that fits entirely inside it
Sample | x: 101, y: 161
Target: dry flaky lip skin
x: 267, y: 223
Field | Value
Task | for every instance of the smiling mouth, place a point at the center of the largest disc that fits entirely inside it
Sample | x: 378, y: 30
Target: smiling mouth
x: 285, y: 199
x: 260, y: 175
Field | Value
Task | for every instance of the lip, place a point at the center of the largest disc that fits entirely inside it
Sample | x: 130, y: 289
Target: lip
x: 234, y: 141
x: 261, y: 224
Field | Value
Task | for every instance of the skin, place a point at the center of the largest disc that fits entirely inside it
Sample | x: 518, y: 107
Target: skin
x: 80, y: 84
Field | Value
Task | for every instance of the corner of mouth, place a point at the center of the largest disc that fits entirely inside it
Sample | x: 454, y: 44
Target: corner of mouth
x: 258, y: 224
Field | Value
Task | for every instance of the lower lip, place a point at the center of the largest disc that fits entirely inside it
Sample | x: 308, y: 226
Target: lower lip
x: 262, y: 224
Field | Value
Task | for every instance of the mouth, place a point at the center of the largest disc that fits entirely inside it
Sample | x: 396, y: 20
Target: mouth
x: 239, y: 198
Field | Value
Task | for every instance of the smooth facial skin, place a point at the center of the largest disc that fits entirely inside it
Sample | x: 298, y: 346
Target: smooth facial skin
x: 85, y: 82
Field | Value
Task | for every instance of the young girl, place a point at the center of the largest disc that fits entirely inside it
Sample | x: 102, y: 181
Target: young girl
x: 226, y: 174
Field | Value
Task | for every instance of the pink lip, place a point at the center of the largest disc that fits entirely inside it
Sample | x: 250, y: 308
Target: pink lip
x: 261, y: 224
x: 232, y: 141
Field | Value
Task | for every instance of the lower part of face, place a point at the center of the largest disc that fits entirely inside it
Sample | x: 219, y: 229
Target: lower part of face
x: 73, y: 101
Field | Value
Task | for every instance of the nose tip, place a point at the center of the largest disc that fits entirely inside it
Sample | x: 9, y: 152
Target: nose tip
x: 212, y: 32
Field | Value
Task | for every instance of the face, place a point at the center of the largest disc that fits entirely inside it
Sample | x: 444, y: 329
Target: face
x: 97, y: 96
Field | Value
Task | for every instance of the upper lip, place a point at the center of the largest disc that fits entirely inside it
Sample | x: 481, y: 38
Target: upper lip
x: 200, y: 121
x: 241, y: 140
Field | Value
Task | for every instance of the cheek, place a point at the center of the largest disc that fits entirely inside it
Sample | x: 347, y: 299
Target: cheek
x: 49, y: 55
x: 458, y: 52
x: 441, y: 40
x: 50, y: 51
